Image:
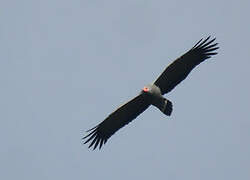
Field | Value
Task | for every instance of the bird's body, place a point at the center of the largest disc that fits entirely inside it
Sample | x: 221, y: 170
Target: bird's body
x: 155, y: 97
x: 152, y: 94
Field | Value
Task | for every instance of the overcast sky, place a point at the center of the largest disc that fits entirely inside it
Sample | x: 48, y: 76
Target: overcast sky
x: 65, y: 65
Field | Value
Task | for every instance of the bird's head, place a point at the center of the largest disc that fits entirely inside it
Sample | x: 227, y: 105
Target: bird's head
x: 146, y: 89
x: 151, y: 89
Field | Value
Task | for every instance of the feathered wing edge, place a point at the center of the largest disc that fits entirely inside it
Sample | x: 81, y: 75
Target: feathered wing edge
x: 207, y: 50
x: 179, y: 69
x: 99, y: 134
x: 93, y: 136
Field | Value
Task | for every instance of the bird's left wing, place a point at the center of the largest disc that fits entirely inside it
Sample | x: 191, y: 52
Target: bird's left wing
x: 116, y: 120
x: 181, y: 67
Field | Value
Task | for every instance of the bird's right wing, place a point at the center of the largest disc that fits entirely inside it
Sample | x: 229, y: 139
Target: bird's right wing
x: 116, y: 120
x: 181, y: 67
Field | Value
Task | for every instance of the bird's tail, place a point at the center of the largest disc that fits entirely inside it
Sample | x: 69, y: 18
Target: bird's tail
x: 167, y: 107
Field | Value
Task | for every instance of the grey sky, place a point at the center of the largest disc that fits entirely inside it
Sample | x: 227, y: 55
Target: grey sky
x: 65, y: 65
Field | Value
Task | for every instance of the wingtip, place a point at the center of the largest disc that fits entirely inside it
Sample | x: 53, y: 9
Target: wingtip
x: 94, y: 139
x: 92, y: 128
x: 197, y: 43
x: 204, y: 42
x: 96, y: 143
x: 100, y: 144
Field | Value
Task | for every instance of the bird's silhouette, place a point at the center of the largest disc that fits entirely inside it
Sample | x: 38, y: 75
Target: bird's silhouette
x: 152, y: 94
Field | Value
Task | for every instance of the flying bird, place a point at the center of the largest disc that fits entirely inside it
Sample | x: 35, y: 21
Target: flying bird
x: 152, y: 94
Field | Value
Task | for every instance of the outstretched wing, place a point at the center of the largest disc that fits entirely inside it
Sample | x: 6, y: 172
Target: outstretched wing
x: 116, y: 120
x: 181, y: 67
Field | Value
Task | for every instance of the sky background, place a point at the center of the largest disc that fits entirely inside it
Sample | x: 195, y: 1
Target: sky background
x: 65, y: 65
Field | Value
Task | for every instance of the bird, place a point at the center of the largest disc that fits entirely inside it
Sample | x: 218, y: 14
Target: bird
x: 152, y: 94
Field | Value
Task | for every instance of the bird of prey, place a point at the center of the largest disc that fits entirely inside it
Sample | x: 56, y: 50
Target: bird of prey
x: 152, y: 94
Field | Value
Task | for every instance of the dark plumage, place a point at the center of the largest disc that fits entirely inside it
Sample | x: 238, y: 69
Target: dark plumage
x: 152, y: 94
